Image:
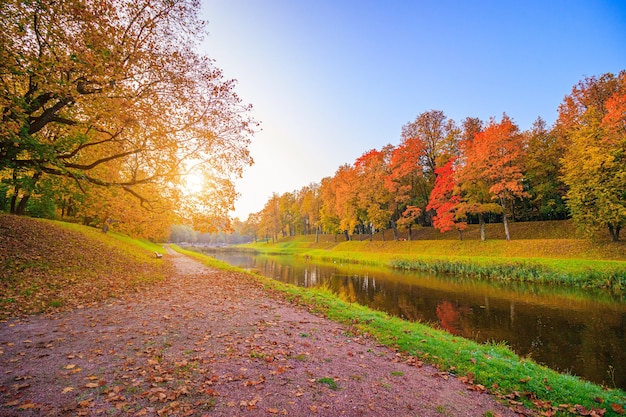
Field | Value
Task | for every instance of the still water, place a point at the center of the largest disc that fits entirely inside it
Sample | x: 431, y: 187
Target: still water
x: 577, y: 331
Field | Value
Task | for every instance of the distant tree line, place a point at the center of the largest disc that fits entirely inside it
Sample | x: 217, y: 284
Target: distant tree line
x: 186, y: 234
x: 447, y: 174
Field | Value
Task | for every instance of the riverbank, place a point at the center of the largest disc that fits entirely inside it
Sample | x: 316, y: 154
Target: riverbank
x: 492, y: 367
x: 553, y: 260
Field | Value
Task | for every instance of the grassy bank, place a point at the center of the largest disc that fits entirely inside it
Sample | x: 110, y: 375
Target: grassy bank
x: 492, y: 367
x: 555, y: 258
x: 47, y: 265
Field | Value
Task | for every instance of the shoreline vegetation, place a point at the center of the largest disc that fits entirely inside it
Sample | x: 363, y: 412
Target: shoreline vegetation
x: 553, y: 256
x: 491, y: 367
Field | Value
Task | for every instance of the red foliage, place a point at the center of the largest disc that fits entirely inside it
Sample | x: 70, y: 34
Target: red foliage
x: 443, y: 199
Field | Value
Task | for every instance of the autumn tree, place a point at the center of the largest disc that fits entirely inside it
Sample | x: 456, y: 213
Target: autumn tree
x: 493, y: 162
x: 113, y: 95
x: 476, y: 199
x: 444, y: 200
x: 329, y: 214
x: 432, y: 138
x: 438, y: 135
x: 288, y: 214
x: 270, y: 224
x: 406, y: 182
x: 542, y: 166
x: 309, y: 202
x: 344, y: 187
x: 593, y: 119
x: 375, y: 202
x: 251, y: 226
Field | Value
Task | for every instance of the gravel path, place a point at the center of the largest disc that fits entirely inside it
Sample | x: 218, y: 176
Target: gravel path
x: 214, y: 343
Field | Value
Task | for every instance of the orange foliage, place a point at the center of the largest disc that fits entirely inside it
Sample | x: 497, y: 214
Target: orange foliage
x: 496, y: 155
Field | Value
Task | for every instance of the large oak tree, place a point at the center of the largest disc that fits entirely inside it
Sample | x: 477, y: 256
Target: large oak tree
x: 113, y: 95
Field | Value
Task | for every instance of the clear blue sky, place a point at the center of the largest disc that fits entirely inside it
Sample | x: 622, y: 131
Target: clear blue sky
x: 332, y: 79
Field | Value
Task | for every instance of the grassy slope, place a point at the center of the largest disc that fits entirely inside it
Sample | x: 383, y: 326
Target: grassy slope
x: 46, y: 265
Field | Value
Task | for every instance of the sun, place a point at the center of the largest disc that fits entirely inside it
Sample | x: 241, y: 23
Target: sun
x: 193, y: 183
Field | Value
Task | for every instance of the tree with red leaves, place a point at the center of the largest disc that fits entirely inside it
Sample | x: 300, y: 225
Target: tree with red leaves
x: 444, y: 200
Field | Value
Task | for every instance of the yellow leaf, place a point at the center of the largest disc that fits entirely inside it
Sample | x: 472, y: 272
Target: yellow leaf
x: 67, y: 389
x: 70, y: 366
x: 91, y: 385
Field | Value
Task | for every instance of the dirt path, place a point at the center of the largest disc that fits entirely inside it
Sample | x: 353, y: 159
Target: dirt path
x: 213, y: 343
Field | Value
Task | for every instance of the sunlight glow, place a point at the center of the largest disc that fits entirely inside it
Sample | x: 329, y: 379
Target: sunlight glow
x: 193, y: 183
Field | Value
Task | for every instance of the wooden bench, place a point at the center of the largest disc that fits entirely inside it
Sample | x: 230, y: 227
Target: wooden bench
x: 158, y: 255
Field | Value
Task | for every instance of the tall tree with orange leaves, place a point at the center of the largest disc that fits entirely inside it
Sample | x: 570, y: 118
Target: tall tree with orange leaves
x: 375, y: 202
x: 495, y: 159
x: 344, y: 187
x: 406, y: 181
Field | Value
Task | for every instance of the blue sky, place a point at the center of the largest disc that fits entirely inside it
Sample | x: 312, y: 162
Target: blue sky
x: 331, y: 79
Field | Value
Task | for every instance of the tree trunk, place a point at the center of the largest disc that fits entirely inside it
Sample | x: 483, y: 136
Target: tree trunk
x: 505, y: 220
x: 410, y: 233
x: 614, y: 231
x: 347, y: 235
x: 21, y: 207
x: 13, y: 201
x: 395, y: 230
x: 481, y: 221
x: 316, y: 234
x: 460, y: 234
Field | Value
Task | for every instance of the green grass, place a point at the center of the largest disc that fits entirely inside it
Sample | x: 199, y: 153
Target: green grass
x: 575, y: 262
x: 330, y: 382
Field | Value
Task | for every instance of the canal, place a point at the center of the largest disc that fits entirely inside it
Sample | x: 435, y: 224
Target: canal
x: 581, y: 332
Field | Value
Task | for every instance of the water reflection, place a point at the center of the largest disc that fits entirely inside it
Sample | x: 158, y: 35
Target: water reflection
x: 571, y: 330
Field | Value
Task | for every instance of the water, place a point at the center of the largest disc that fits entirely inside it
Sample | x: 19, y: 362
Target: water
x: 577, y: 331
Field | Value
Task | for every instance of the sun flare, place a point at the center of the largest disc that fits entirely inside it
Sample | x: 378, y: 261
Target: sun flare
x: 193, y: 183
